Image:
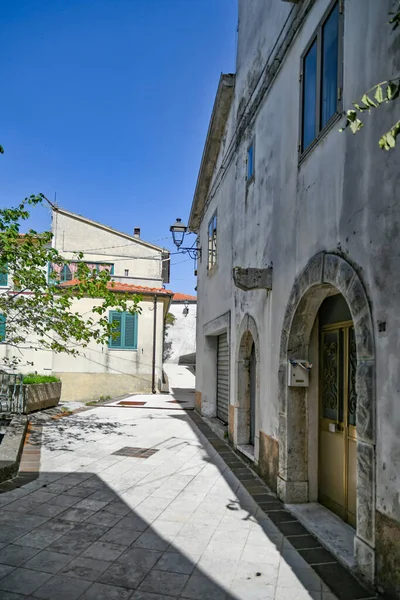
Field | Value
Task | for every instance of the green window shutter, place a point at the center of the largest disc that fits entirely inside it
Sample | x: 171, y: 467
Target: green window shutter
x: 130, y: 333
x: 116, y: 318
x: 2, y: 328
x: 3, y: 277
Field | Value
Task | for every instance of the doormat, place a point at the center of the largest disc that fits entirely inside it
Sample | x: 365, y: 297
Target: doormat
x: 135, y: 452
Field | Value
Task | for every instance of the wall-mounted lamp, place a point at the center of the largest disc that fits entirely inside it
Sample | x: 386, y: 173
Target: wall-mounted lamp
x: 185, y: 311
x: 178, y: 230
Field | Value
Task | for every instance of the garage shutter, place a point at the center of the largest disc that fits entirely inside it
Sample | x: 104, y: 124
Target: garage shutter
x: 223, y: 378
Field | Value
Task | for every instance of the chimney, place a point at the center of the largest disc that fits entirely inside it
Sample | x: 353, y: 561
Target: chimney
x: 136, y: 232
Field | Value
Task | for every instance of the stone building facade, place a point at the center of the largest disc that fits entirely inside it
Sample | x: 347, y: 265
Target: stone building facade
x: 299, y: 279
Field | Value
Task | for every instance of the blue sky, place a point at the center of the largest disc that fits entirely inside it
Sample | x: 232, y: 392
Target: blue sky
x: 107, y: 103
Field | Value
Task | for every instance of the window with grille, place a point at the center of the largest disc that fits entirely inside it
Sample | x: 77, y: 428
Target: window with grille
x: 125, y: 330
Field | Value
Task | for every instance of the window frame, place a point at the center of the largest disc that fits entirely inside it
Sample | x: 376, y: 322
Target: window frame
x: 212, y: 264
x: 123, y: 326
x: 252, y: 146
x: 318, y: 37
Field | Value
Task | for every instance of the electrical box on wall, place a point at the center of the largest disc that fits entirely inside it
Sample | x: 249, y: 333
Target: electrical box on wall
x: 298, y: 373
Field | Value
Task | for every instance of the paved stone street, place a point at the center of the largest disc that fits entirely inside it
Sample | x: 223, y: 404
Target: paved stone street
x: 164, y: 518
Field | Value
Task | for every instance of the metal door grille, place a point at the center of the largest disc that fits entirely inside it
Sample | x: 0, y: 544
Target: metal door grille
x: 223, y: 378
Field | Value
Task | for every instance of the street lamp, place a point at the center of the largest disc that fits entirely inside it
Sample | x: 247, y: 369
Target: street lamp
x: 178, y: 230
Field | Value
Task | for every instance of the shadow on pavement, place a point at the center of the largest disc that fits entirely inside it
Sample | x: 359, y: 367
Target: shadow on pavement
x: 69, y: 535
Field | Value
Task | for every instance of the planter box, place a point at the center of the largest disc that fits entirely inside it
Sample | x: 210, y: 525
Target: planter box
x: 11, y: 446
x: 38, y: 396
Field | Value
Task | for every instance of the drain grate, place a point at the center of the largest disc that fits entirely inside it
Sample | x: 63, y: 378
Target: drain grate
x: 135, y: 452
x: 131, y: 403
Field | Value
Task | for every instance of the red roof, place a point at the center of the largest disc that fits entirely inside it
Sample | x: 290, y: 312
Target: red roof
x: 182, y: 297
x: 115, y: 286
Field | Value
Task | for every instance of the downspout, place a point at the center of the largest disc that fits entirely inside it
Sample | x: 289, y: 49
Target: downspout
x: 153, y: 369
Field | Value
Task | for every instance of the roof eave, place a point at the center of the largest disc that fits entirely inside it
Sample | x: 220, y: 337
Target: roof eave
x: 216, y: 128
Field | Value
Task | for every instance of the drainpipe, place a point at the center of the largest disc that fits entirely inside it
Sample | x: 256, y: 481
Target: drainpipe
x: 153, y: 368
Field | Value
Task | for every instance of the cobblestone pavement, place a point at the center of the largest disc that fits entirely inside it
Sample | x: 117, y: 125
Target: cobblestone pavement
x: 136, y: 503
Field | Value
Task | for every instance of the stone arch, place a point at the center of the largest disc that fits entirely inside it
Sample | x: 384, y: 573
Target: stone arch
x: 324, y: 275
x: 247, y: 334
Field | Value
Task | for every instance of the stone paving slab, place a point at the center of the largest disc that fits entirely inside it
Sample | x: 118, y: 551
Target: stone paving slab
x: 190, y: 521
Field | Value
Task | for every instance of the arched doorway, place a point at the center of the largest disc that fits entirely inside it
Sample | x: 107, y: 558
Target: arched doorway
x: 246, y: 434
x: 328, y: 275
x: 337, y: 428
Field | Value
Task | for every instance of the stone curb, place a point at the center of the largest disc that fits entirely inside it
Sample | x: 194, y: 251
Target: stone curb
x: 11, y: 447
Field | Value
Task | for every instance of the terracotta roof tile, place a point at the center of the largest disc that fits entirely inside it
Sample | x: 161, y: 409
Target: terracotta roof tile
x: 182, y: 297
x: 115, y: 286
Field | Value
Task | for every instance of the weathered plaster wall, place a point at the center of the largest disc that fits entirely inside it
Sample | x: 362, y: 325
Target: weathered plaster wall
x: 91, y: 386
x: 182, y: 334
x: 102, y: 360
x: 143, y: 262
x: 341, y: 198
x: 26, y: 353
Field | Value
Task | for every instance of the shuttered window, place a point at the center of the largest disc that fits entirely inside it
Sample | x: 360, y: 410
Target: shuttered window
x: 125, y: 328
x: 3, y: 277
x: 68, y: 272
x: 2, y: 328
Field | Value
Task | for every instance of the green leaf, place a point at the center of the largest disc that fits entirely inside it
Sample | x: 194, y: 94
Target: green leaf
x: 1, y: 149
x: 379, y: 95
x: 390, y: 139
x: 356, y: 125
x: 368, y: 102
x: 392, y: 90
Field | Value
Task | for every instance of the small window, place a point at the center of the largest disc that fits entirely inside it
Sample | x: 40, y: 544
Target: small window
x: 3, y: 276
x: 68, y: 272
x: 2, y: 328
x: 125, y: 330
x: 250, y: 162
x: 126, y: 272
x: 212, y: 242
x: 320, y: 77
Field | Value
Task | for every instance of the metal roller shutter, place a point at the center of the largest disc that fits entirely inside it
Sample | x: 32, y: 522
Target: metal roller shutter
x: 223, y: 378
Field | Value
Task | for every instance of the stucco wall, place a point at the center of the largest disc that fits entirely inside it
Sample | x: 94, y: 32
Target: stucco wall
x: 143, y: 262
x: 92, y: 386
x: 182, y: 334
x: 341, y: 198
x: 97, y: 359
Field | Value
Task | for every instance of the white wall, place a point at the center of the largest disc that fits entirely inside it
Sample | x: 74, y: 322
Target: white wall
x: 143, y: 262
x: 182, y: 333
x: 102, y: 359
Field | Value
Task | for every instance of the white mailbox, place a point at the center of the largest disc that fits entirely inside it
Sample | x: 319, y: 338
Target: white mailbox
x: 298, y: 373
